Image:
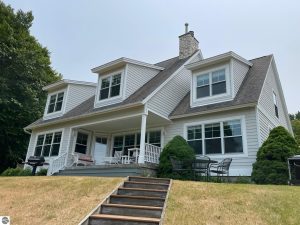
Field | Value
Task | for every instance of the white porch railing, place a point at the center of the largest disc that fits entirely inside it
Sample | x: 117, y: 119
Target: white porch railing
x: 152, y: 153
x: 57, y: 164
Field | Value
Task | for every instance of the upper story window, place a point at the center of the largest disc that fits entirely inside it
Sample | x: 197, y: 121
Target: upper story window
x: 275, y: 104
x: 211, y: 83
x: 110, y: 86
x: 55, y: 103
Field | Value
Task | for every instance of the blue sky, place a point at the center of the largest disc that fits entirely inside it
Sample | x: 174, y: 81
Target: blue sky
x: 83, y: 34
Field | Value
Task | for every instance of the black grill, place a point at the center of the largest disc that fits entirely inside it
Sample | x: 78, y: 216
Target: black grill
x: 294, y: 170
x: 35, y: 161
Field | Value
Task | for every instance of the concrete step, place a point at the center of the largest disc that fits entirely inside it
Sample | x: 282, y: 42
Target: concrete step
x: 142, y: 192
x: 136, y: 200
x: 104, y: 219
x: 146, y: 185
x: 131, y: 210
x: 149, y: 180
x: 104, y: 172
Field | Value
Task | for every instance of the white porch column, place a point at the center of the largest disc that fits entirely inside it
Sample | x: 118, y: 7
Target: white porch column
x: 142, y: 142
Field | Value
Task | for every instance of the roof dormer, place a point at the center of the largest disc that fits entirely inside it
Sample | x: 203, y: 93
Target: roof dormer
x: 119, y: 79
x: 217, y: 79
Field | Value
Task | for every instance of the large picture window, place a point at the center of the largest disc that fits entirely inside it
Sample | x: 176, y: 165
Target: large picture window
x: 81, y: 143
x: 219, y: 138
x: 55, y: 103
x: 48, y: 144
x: 210, y: 84
x: 110, y: 86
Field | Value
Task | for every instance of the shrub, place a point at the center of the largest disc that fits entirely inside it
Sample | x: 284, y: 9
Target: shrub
x: 16, y: 172
x: 271, y: 164
x: 42, y: 172
x: 179, y: 149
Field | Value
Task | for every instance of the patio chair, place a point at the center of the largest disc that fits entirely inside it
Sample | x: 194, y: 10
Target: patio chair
x: 221, y: 168
x: 201, y: 166
x: 83, y: 160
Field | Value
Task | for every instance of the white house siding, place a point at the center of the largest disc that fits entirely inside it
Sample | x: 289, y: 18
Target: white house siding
x: 239, y: 71
x: 265, y: 125
x: 78, y: 94
x: 137, y: 76
x: 240, y: 165
x: 165, y: 100
x: 266, y: 111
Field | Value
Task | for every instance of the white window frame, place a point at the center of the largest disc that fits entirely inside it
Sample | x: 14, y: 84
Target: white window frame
x: 221, y: 121
x: 49, y: 132
x: 55, y: 113
x: 88, y: 149
x: 121, y: 94
x: 213, y: 98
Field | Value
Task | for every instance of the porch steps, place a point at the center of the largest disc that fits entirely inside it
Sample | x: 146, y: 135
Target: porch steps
x: 138, y: 201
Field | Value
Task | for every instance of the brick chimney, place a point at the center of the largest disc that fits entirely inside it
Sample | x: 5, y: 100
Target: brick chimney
x: 188, y: 44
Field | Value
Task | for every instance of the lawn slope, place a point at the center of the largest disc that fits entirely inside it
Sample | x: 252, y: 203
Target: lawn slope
x: 52, y: 200
x: 196, y: 203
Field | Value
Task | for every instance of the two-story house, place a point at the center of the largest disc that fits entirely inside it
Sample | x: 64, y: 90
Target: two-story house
x: 224, y: 106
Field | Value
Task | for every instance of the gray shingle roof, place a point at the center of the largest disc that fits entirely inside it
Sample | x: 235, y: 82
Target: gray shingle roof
x: 249, y: 91
x: 87, y: 107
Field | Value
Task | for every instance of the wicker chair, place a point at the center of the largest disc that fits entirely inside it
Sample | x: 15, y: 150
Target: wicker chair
x: 177, y: 165
x: 221, y: 168
x: 201, y: 166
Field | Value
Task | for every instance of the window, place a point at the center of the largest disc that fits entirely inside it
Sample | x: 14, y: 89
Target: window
x: 215, y: 141
x: 48, y: 144
x: 210, y: 84
x: 124, y: 142
x: 233, y: 140
x: 275, y: 104
x: 195, y: 138
x: 110, y: 87
x: 81, y: 143
x: 213, y: 138
x: 55, y: 103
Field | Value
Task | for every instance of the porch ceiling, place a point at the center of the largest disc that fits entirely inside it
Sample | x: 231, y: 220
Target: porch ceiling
x: 128, y: 123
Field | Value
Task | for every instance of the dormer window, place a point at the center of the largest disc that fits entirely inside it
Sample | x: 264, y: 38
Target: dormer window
x: 55, y: 103
x: 212, y: 83
x: 110, y: 86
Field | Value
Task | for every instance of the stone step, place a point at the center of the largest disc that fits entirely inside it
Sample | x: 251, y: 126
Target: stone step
x: 146, y: 185
x: 136, y: 200
x: 149, y: 180
x: 106, y: 219
x: 142, y: 192
x: 131, y: 210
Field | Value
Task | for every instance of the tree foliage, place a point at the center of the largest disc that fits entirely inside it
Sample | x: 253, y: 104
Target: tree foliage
x: 25, y: 69
x: 296, y: 129
x: 271, y: 163
x: 179, y: 149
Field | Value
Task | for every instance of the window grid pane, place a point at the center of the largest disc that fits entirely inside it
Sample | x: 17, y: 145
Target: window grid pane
x: 203, y: 80
x: 218, y: 76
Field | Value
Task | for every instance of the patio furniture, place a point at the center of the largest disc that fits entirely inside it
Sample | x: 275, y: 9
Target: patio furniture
x: 178, y: 166
x: 221, y: 168
x: 294, y: 170
x: 83, y: 160
x: 201, y: 166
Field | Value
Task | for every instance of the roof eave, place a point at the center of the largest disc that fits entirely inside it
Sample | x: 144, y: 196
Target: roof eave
x: 65, y: 82
x: 248, y: 105
x: 217, y: 59
x: 85, y: 115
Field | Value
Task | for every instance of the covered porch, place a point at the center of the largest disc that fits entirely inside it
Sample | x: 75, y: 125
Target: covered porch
x: 125, y: 140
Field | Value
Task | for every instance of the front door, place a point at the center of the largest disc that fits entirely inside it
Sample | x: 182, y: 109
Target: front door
x: 100, y: 150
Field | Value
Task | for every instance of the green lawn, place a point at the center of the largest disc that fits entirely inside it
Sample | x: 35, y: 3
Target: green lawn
x: 66, y: 200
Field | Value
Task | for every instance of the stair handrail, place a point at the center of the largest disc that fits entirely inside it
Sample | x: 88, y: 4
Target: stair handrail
x: 152, y: 153
x: 57, y: 164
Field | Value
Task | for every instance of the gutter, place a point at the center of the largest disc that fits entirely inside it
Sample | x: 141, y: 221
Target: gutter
x: 84, y: 116
x: 249, y: 105
x: 26, y: 131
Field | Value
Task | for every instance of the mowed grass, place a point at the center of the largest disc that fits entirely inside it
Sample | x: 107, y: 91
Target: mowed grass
x: 52, y: 200
x: 196, y: 203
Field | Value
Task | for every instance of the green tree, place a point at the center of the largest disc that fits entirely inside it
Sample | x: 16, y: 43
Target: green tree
x: 25, y: 69
x: 296, y: 129
x: 271, y: 162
